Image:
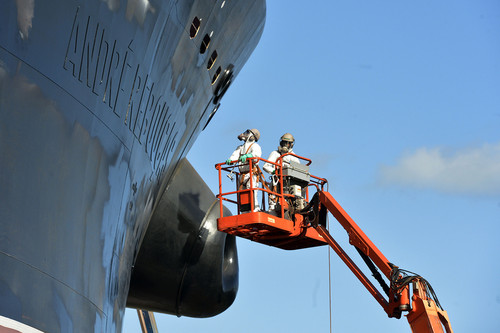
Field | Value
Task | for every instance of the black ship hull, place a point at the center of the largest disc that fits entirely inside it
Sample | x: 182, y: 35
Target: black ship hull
x: 100, y: 102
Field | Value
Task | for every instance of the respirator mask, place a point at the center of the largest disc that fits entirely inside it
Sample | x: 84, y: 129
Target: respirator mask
x: 285, y: 147
x: 245, y: 136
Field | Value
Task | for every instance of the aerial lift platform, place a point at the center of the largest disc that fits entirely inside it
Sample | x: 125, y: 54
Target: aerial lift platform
x: 299, y: 221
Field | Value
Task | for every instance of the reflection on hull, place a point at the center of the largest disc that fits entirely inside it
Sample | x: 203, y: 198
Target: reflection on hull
x: 99, y: 103
x: 202, y: 280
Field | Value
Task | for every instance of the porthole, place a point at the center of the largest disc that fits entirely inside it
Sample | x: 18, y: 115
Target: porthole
x: 212, y: 59
x: 204, y: 44
x: 216, y: 75
x: 195, y: 27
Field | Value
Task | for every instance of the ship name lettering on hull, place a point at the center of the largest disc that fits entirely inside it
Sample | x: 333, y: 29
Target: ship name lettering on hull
x: 108, y: 71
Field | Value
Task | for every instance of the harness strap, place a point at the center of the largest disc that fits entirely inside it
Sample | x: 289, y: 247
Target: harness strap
x: 248, y: 149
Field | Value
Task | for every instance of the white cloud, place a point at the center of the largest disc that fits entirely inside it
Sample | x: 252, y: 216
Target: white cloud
x: 467, y: 171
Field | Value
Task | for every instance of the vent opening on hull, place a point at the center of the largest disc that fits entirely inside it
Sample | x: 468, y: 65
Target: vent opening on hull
x: 212, y: 59
x: 216, y: 75
x: 195, y: 27
x: 204, y: 44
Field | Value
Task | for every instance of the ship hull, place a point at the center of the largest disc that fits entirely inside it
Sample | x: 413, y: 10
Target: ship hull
x: 99, y: 101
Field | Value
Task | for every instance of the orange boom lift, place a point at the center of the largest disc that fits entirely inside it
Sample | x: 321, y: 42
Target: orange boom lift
x: 300, y: 222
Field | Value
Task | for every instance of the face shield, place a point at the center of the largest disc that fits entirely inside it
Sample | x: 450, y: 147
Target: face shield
x: 245, y: 136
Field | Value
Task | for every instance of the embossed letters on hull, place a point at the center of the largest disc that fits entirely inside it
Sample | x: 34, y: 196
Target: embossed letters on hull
x: 108, y: 70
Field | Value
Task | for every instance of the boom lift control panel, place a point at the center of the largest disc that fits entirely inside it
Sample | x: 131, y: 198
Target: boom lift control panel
x: 299, y: 221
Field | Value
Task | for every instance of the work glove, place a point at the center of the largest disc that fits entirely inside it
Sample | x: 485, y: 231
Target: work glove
x: 228, y: 161
x: 243, y: 158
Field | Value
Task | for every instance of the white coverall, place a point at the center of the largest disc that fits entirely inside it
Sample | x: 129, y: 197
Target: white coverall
x: 249, y: 147
x: 269, y: 168
x: 273, y: 157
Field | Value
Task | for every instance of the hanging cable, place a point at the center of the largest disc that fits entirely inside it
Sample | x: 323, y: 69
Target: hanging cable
x: 329, y: 271
x: 329, y: 275
x: 330, y: 289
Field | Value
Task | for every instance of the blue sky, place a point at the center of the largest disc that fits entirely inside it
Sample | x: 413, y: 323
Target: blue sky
x: 398, y: 105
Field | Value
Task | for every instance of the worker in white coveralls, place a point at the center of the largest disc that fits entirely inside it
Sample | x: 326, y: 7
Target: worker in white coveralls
x: 250, y: 148
x: 286, y: 146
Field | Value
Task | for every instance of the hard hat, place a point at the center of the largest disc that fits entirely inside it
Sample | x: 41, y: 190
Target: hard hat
x: 255, y: 133
x: 287, y: 137
x: 286, y: 143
